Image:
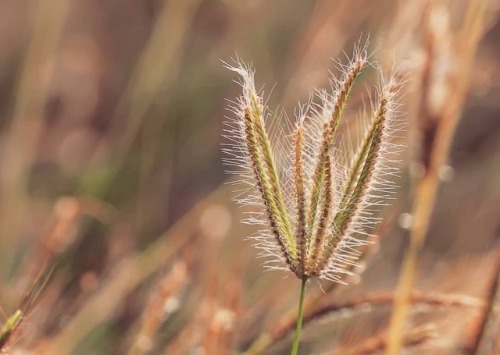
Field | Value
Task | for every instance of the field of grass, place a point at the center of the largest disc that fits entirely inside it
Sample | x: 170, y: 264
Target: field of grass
x: 118, y: 233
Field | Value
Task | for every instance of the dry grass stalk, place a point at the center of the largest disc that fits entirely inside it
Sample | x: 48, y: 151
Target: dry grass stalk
x: 154, y: 73
x: 211, y: 330
x: 20, y: 147
x: 65, y: 216
x: 480, y: 326
x: 127, y: 274
x: 441, y: 120
x: 376, y: 344
x: 29, y: 300
x: 220, y: 335
x: 157, y: 310
x: 432, y: 299
x: 386, y: 298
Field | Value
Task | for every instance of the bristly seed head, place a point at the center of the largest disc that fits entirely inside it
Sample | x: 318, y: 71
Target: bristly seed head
x: 315, y: 208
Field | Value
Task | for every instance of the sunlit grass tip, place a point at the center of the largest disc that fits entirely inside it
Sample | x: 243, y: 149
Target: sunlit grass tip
x: 316, y: 207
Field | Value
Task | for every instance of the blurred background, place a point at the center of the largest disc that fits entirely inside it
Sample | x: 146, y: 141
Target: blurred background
x: 117, y: 230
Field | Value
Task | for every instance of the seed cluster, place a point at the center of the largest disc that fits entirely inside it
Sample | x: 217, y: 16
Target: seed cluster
x: 316, y: 208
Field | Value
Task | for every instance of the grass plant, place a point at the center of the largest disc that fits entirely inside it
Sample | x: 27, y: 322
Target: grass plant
x: 117, y: 230
x: 316, y: 206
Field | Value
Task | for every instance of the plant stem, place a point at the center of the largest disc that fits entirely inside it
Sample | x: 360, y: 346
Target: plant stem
x: 469, y: 36
x: 300, y: 316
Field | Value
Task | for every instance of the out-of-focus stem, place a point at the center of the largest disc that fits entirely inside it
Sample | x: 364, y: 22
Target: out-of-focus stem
x: 480, y: 331
x: 21, y: 142
x: 425, y: 194
x: 424, y: 201
x: 154, y: 73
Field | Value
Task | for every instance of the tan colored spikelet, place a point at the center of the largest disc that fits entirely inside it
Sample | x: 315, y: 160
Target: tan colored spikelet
x: 316, y: 210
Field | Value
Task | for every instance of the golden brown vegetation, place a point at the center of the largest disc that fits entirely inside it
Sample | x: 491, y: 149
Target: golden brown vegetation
x: 117, y: 233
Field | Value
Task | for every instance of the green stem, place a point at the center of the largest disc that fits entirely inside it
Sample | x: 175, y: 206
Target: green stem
x: 300, y: 316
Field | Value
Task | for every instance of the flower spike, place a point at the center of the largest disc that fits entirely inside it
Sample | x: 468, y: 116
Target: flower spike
x: 315, y: 211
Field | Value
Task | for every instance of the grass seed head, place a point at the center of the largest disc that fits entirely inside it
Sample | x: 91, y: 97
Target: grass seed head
x: 315, y: 209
